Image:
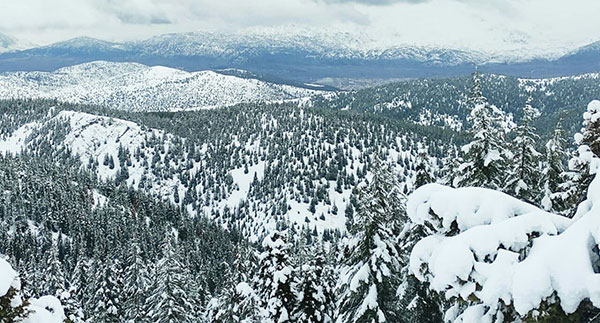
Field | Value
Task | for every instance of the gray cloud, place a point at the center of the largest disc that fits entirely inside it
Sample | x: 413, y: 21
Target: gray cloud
x: 131, y: 18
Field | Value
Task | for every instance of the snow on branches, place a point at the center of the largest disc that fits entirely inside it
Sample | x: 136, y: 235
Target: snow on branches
x: 499, y: 258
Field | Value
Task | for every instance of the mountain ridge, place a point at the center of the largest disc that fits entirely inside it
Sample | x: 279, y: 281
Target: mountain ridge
x: 301, y: 57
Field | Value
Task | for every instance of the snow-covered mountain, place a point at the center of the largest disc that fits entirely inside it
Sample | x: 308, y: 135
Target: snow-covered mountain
x: 295, y: 56
x: 133, y: 86
x: 320, y: 45
x: 302, y: 56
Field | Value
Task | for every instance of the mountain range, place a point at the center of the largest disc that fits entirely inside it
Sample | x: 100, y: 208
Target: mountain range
x: 305, y: 58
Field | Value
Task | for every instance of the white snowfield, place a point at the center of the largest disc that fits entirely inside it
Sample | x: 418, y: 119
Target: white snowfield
x: 46, y: 309
x: 137, y: 87
x: 499, y: 249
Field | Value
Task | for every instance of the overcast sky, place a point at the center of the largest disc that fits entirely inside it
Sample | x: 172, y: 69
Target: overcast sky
x: 477, y: 24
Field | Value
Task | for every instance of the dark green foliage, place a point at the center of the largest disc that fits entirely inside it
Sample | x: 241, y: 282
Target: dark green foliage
x: 315, y: 288
x: 8, y: 312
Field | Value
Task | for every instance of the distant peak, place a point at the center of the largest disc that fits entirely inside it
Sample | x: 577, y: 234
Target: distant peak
x: 83, y: 41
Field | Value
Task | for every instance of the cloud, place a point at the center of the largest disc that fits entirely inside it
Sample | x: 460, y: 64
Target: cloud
x: 373, y: 2
x: 518, y: 25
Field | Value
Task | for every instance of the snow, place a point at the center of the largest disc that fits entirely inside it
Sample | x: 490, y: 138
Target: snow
x: 275, y: 245
x: 362, y: 275
x: 92, y: 137
x: 7, y: 276
x: 244, y: 289
x: 16, y: 142
x: 593, y: 110
x: 517, y: 253
x: 46, y: 309
x: 478, y: 206
x: 369, y: 303
x: 281, y: 276
x: 492, y: 155
x: 99, y: 200
x: 532, y: 85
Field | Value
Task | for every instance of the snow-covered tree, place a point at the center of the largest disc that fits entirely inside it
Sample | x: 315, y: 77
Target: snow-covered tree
x: 81, y: 285
x: 499, y: 259
x: 273, y: 283
x: 554, y: 175
x: 107, y: 300
x: 54, y: 279
x: 238, y: 302
x: 423, y: 173
x: 450, y: 163
x: 168, y: 300
x: 524, y: 174
x: 588, y: 141
x: 15, y: 308
x: 418, y: 303
x: 484, y: 159
x: 315, y: 290
x: 370, y: 271
x: 12, y: 308
x: 136, y: 281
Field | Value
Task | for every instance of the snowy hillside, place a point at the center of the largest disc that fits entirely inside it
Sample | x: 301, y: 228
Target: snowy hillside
x: 545, y: 85
x: 136, y: 87
x: 230, y: 170
x: 442, y: 102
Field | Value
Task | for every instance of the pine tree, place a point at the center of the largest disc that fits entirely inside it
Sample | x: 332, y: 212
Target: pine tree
x: 418, y: 303
x: 81, y: 286
x: 12, y: 307
x: 423, y: 173
x: 554, y: 175
x: 136, y: 281
x: 107, y: 301
x: 168, y: 300
x: 239, y: 302
x: 273, y: 284
x: 524, y: 175
x: 450, y: 164
x: 315, y: 289
x: 72, y: 307
x: 484, y: 159
x: 54, y: 279
x: 370, y: 273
